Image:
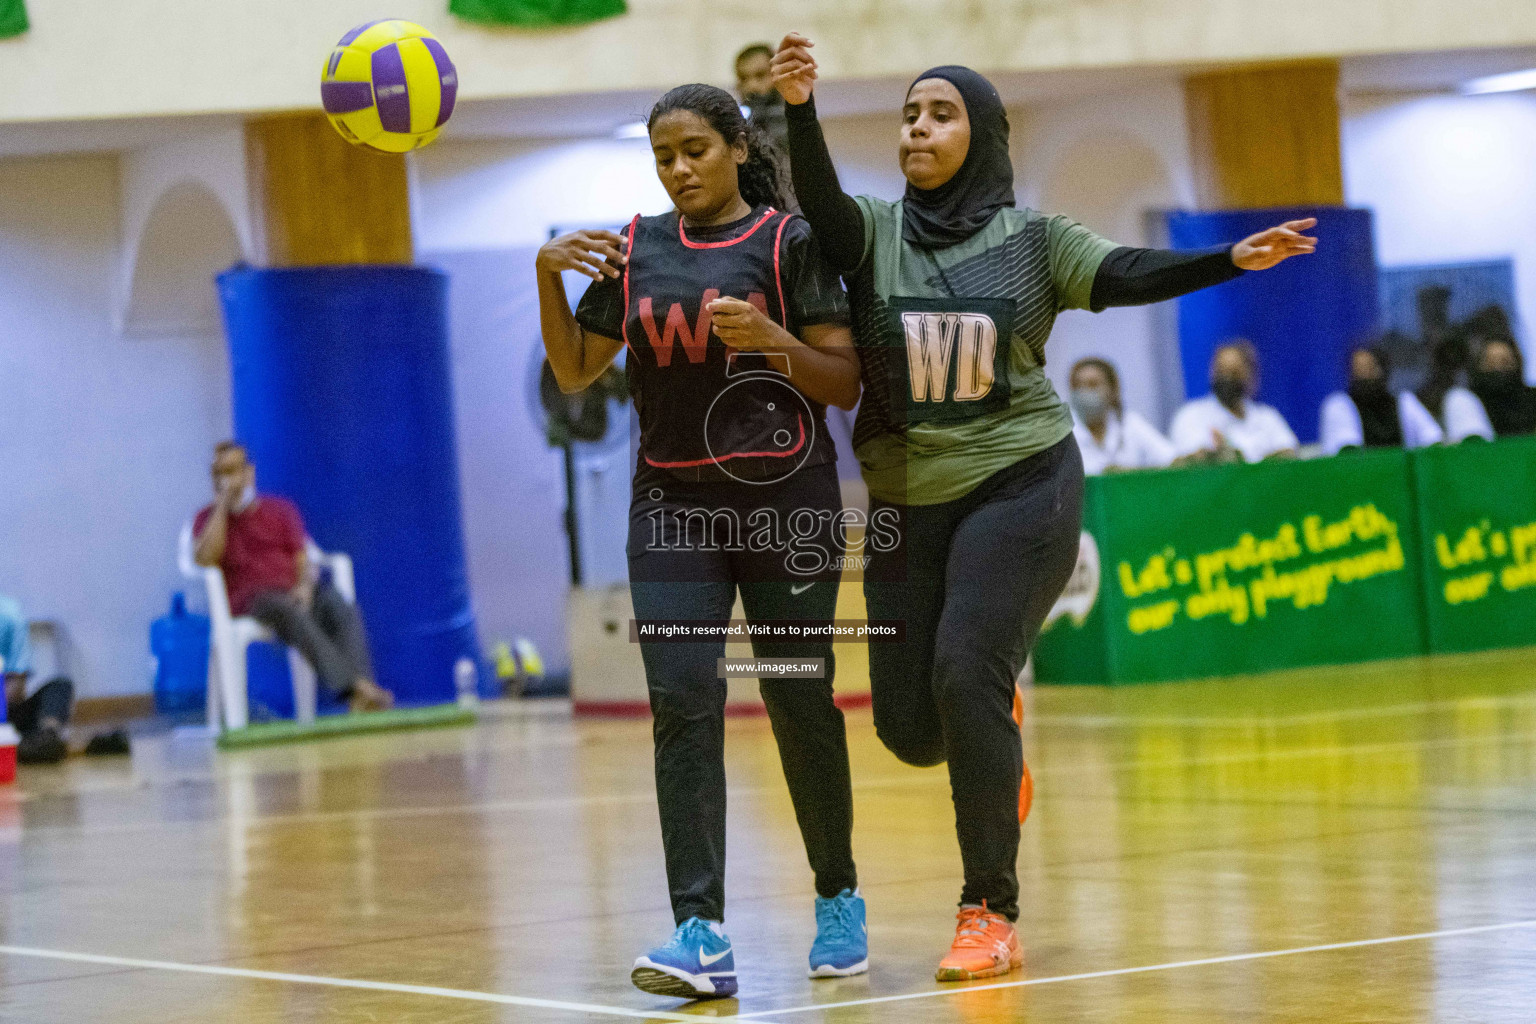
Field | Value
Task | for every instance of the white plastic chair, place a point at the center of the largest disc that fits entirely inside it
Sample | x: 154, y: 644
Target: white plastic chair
x: 231, y: 636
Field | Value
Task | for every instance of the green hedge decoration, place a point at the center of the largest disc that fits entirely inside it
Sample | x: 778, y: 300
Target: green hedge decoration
x: 13, y: 18
x: 535, y: 13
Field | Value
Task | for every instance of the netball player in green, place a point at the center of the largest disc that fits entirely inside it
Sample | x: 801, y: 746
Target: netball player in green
x: 963, y: 442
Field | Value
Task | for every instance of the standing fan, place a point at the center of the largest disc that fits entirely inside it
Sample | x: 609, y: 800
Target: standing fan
x: 580, y: 417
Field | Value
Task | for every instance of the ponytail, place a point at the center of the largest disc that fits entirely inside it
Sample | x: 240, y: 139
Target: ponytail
x: 761, y: 178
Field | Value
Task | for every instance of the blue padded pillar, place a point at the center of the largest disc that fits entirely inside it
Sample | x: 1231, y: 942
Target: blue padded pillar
x: 342, y: 396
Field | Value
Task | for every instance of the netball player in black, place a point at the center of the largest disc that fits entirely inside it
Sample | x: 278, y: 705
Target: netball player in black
x: 953, y: 292
x: 737, y: 339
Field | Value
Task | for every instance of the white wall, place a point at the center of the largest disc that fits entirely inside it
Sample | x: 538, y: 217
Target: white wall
x: 104, y: 440
x: 1109, y: 162
x: 511, y: 483
x: 156, y: 184
x: 157, y: 57
x: 1450, y: 179
x: 503, y: 195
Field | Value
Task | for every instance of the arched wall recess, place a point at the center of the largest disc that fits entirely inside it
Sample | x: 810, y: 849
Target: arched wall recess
x: 188, y: 238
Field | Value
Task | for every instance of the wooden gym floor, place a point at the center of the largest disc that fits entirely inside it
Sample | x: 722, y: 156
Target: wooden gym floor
x: 1332, y: 846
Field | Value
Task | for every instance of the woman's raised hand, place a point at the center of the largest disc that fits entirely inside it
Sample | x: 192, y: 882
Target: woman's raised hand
x: 594, y: 253
x: 794, y: 69
x: 1267, y: 248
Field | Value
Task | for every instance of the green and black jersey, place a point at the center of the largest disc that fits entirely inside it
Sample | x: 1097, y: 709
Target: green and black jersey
x: 952, y: 345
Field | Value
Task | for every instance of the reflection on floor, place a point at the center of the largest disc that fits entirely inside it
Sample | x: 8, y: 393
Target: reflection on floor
x: 511, y: 871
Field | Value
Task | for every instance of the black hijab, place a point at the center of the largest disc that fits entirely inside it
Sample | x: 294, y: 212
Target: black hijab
x: 962, y: 206
x: 1379, y: 420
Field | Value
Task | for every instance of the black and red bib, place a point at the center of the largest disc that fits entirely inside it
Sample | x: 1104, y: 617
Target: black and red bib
x: 708, y: 411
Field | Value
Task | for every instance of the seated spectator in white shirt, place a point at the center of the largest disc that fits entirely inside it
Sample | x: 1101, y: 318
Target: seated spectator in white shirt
x: 1111, y: 438
x: 1228, y: 423
x: 1367, y: 415
x: 1459, y: 412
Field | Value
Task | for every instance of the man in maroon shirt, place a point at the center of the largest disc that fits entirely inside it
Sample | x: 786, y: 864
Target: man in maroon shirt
x: 258, y: 541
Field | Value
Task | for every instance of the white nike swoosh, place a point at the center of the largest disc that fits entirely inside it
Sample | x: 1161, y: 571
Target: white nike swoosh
x: 705, y: 959
x: 801, y: 590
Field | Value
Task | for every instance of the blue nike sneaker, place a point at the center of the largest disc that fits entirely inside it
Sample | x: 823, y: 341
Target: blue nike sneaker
x: 697, y: 963
x: 842, y: 939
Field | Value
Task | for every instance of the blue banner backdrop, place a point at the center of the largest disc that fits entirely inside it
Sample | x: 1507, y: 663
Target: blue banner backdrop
x: 1303, y: 316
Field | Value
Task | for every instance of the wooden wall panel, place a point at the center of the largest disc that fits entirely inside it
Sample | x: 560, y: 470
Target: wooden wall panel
x: 318, y: 200
x: 1266, y: 136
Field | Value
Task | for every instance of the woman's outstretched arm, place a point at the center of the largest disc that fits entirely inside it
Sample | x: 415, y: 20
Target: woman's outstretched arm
x: 1137, y: 277
x: 833, y: 215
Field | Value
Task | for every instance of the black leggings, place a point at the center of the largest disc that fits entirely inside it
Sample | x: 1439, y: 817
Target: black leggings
x: 973, y: 579
x: 673, y: 577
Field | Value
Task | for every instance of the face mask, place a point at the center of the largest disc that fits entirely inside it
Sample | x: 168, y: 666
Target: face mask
x: 1367, y: 389
x: 1090, y: 404
x: 1496, y: 381
x: 1229, y: 390
x: 247, y: 496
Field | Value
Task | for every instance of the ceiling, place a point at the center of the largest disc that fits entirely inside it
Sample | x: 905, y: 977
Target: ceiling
x: 598, y: 114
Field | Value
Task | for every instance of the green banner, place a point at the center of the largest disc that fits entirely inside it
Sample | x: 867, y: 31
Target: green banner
x: 13, y: 18
x: 1237, y: 569
x: 533, y: 13
x: 1073, y: 646
x: 1477, y: 513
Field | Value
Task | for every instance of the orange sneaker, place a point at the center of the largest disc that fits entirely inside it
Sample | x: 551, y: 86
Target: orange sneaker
x: 1027, y: 783
x: 986, y: 945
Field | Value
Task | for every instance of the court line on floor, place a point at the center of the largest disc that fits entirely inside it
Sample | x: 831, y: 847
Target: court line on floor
x: 354, y: 983
x: 1148, y: 969
x: 471, y: 995
x: 756, y: 1015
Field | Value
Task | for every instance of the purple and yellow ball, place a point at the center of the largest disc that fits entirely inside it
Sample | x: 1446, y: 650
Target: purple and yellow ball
x: 389, y: 85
